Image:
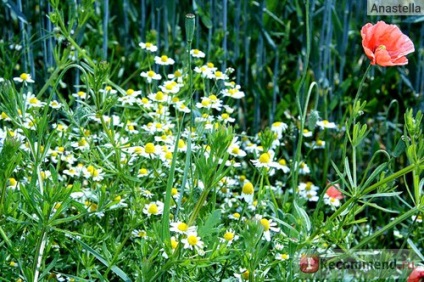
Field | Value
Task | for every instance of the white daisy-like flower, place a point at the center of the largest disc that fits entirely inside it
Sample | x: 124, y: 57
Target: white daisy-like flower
x: 55, y: 104
x: 265, y: 160
x: 268, y: 226
x: 32, y: 101
x: 24, y: 78
x: 164, y: 60
x: 196, y: 53
x: 307, y: 133
x: 80, y: 95
x: 207, y: 70
x: 278, y: 128
x: 234, y: 93
x: 282, y: 257
x: 90, y: 172
x: 304, y: 168
x: 282, y: 165
x: 148, y: 46
x: 247, y: 192
x: 177, y: 75
x: 235, y: 150
x: 170, y: 87
x: 229, y: 237
x: 137, y: 233
x: 108, y: 90
x: 193, y: 242
x: 219, y: 75
x: 158, y: 97
x: 326, y: 124
x: 153, y: 208
x: 150, y: 76
x: 182, y: 228
x: 211, y: 102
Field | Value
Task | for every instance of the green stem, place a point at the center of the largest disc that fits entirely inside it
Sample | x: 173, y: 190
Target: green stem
x: 397, y: 220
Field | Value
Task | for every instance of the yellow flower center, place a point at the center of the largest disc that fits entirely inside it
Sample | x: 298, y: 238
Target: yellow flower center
x: 210, y: 65
x: 108, y: 88
x: 168, y: 155
x: 177, y: 73
x: 174, y: 191
x: 174, y: 243
x: 192, y: 240
x: 245, y: 275
x: 282, y: 162
x: 235, y: 150
x: 130, y: 91
x: 264, y: 158
x: 206, y: 102
x: 159, y: 96
x: 236, y: 215
x: 142, y: 171
x: 33, y: 100
x: 164, y: 58
x: 229, y: 236
x: 265, y: 223
x: 218, y: 74
x: 150, y: 148
x: 24, y: 76
x: 151, y: 73
x: 153, y: 209
x: 308, y: 186
x: 248, y: 188
x: 12, y: 181
x: 182, y: 227
x: 181, y: 144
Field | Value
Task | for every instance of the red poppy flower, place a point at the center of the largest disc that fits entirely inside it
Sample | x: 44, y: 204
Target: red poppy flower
x: 385, y: 45
x: 334, y: 193
x: 417, y: 274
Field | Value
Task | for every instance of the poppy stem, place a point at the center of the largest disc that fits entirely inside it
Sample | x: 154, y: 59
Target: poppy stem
x: 358, y: 93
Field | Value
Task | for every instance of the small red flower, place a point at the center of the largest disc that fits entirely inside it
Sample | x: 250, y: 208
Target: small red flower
x: 417, y: 275
x: 334, y: 193
x: 385, y: 45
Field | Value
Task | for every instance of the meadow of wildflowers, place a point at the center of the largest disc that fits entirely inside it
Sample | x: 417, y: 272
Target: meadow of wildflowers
x: 154, y: 177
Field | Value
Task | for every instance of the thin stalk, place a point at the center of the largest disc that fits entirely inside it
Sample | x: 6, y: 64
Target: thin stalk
x: 40, y: 252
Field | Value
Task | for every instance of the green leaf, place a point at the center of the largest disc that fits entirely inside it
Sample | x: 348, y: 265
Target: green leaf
x: 303, y: 216
x: 211, y: 222
x: 399, y: 149
x: 114, y: 268
x: 415, y: 248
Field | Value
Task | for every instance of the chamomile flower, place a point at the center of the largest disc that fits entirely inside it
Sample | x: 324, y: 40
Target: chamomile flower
x: 182, y: 228
x: 278, y: 128
x: 55, y: 104
x: 206, y: 70
x: 12, y: 183
x: 137, y: 233
x: 247, y: 192
x: 108, y: 90
x: 268, y: 226
x: 304, y: 168
x: 193, y: 242
x: 143, y: 172
x: 218, y: 75
x: 177, y: 75
x: 90, y: 172
x: 229, y: 237
x: 170, y: 87
x: 282, y: 165
x: 326, y: 124
x: 158, y: 97
x: 282, y: 257
x: 234, y: 93
x: 33, y: 102
x: 211, y: 102
x: 196, y: 53
x: 307, y: 133
x: 243, y: 275
x: 164, y: 60
x: 24, y: 78
x: 265, y: 160
x: 148, y: 46
x: 80, y: 95
x: 150, y: 76
x: 153, y: 208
